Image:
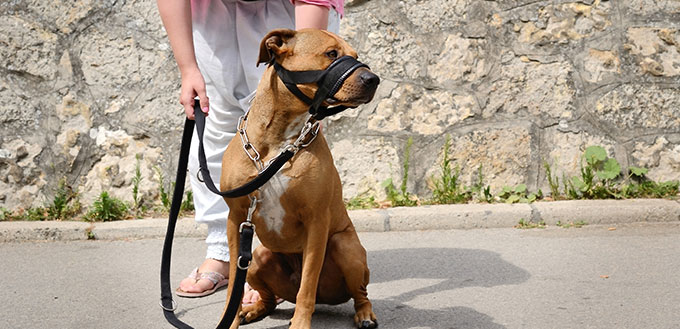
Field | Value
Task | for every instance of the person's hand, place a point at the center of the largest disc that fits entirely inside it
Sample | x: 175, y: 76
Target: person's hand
x: 193, y: 85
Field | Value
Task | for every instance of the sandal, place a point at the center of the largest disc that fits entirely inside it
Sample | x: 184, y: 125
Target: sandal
x: 217, y: 279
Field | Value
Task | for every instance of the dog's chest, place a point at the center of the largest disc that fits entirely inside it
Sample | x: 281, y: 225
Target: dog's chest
x: 270, y: 208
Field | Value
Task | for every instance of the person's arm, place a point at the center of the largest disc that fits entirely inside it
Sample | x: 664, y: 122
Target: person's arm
x: 310, y: 16
x: 176, y: 17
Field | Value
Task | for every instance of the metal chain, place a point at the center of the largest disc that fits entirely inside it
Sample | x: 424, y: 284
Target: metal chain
x: 248, y: 147
x: 310, y: 129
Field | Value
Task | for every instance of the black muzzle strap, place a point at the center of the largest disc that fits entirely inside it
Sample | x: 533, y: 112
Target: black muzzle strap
x: 328, y: 81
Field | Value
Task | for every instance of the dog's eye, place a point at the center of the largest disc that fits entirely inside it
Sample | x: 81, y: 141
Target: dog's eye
x: 332, y: 54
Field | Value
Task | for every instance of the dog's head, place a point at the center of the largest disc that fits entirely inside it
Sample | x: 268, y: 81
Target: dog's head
x: 313, y: 50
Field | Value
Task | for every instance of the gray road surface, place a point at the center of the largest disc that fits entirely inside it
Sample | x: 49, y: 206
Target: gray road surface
x: 593, y: 277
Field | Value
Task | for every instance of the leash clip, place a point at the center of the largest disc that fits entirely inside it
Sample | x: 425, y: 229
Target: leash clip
x: 309, y: 128
x: 251, y: 210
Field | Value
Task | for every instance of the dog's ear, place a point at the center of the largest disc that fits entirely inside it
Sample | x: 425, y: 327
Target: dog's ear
x: 274, y: 44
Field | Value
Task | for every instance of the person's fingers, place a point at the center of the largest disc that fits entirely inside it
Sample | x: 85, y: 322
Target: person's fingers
x: 188, y: 103
x: 205, y: 102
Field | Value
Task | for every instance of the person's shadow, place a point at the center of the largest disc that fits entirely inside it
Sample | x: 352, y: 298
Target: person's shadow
x: 406, y: 274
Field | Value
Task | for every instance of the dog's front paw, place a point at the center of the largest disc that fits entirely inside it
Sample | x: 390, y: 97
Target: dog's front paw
x: 365, y: 320
x: 254, y: 312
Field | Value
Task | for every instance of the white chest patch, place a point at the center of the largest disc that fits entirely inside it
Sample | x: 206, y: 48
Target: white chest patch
x: 271, y: 209
x: 294, y: 128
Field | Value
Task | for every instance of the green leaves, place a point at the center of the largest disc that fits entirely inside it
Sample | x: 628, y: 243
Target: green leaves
x: 610, y: 170
x: 107, y: 208
x: 518, y: 194
x: 595, y: 154
x: 637, y: 171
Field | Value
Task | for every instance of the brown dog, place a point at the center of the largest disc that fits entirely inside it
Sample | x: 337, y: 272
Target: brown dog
x: 310, y: 251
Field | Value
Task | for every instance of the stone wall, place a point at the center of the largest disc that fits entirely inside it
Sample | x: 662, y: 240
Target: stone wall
x: 88, y: 87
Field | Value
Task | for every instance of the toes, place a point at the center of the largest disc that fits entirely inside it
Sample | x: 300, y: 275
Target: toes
x: 198, y: 286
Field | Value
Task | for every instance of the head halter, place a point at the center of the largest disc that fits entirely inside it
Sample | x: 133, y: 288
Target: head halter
x: 329, y: 81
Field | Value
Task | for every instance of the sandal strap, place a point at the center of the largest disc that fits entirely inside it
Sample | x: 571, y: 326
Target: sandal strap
x: 214, y: 277
x: 194, y: 274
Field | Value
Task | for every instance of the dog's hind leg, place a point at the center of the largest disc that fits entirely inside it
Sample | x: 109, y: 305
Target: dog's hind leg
x: 269, y: 275
x: 350, y: 255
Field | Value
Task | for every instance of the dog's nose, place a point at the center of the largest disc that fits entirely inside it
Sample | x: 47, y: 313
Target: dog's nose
x: 369, y: 79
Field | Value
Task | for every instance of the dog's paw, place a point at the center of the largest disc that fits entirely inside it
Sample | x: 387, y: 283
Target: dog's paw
x: 365, y: 320
x: 253, y: 312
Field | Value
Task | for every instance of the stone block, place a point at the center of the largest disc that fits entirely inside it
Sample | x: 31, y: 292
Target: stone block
x: 601, y: 65
x: 363, y: 164
x: 527, y: 88
x: 640, y: 107
x: 655, y: 50
x: 563, y: 150
x: 504, y: 153
x: 545, y: 25
x: 116, y: 168
x: 654, y: 8
x: 388, y: 47
x: 460, y: 59
x: 426, y: 112
x: 661, y: 157
x: 27, y: 47
x: 21, y: 176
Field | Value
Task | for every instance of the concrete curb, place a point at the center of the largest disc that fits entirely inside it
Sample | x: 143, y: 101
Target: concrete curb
x: 440, y: 217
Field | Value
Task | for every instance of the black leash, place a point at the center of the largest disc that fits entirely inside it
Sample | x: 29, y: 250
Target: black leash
x: 245, y: 253
x: 167, y: 303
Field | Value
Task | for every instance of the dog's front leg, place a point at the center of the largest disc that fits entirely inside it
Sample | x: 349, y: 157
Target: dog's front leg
x: 312, y: 262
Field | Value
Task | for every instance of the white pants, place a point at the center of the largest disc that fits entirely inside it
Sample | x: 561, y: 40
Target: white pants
x: 227, y: 35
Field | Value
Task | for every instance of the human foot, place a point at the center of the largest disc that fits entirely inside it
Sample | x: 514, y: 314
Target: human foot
x: 251, y: 296
x: 204, y: 280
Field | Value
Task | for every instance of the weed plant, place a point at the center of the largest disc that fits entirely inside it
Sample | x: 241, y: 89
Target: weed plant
x: 107, y: 208
x: 66, y: 203
x: 361, y: 201
x: 518, y: 194
x: 576, y: 224
x: 598, y: 180
x: 553, y: 181
x: 5, y: 214
x: 400, y: 197
x: 163, y: 194
x: 527, y: 224
x: 447, y: 187
x: 188, y: 202
x: 137, y: 206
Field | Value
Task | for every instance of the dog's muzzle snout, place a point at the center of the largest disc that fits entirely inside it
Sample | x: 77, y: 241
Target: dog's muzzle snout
x: 329, y: 82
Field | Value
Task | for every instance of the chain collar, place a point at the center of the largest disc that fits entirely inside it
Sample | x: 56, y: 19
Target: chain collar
x: 307, y: 135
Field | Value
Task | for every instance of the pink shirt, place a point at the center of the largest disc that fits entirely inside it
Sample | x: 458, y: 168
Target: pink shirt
x: 337, y: 4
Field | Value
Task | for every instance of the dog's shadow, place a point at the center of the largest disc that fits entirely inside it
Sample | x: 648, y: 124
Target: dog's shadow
x: 403, y: 275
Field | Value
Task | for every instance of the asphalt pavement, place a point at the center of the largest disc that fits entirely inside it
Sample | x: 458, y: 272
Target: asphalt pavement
x: 619, y: 275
